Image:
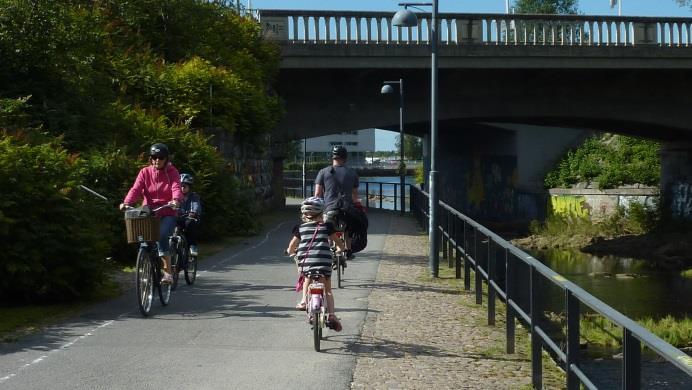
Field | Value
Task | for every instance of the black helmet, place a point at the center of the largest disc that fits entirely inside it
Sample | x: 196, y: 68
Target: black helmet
x: 186, y: 178
x: 158, y: 150
x: 339, y: 152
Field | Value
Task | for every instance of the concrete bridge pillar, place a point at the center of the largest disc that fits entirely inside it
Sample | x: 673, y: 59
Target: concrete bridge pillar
x: 676, y: 180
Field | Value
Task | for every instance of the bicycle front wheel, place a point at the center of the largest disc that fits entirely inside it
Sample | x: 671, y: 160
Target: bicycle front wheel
x: 144, y: 281
x: 164, y: 288
x: 191, y: 268
x: 176, y: 262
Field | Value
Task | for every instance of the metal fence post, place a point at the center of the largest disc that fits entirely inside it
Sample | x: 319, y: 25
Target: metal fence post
x: 478, y: 277
x: 509, y: 291
x: 491, y: 278
x: 573, y: 313
x: 444, y: 217
x: 467, y: 263
x: 631, y: 361
x: 458, y: 245
x: 536, y: 345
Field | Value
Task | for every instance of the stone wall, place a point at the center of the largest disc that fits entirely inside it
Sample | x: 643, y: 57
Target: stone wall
x: 256, y: 169
x: 588, y: 202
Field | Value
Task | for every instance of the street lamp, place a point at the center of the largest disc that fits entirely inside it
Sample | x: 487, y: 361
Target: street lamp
x: 387, y: 89
x: 406, y: 18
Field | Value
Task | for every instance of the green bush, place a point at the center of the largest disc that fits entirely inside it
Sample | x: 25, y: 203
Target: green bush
x: 610, y: 160
x: 54, y: 242
x: 85, y: 90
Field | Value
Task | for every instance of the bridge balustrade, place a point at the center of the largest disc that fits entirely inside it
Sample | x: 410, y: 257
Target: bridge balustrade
x: 521, y: 282
x: 358, y: 27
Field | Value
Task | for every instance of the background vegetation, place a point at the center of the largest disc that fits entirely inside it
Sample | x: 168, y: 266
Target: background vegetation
x: 85, y: 87
x: 611, y: 160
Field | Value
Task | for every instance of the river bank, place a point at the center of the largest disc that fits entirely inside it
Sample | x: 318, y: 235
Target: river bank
x: 669, y: 250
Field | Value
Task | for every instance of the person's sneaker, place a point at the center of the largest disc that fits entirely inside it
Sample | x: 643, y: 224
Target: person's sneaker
x: 167, y: 278
x: 350, y: 255
x: 193, y: 250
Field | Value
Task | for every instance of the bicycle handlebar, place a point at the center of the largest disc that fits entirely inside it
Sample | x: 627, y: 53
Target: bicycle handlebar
x: 128, y: 207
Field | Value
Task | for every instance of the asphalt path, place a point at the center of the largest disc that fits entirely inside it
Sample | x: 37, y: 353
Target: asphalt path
x: 236, y: 328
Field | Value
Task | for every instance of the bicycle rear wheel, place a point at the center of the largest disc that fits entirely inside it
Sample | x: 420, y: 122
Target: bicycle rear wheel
x: 339, y: 268
x: 164, y: 288
x: 191, y: 268
x: 317, y: 331
x: 144, y: 281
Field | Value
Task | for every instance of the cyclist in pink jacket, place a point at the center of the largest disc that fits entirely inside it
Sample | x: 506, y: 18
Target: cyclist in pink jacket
x: 159, y: 184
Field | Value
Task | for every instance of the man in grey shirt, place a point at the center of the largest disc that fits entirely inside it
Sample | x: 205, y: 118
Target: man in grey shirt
x: 338, y: 181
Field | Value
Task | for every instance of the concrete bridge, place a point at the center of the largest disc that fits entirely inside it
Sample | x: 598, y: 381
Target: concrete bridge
x: 514, y: 90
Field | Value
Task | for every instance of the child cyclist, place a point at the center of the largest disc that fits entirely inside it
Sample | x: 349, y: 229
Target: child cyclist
x: 190, y: 211
x: 311, y: 246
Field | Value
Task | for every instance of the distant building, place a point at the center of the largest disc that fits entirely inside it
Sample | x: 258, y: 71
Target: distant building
x: 359, y: 144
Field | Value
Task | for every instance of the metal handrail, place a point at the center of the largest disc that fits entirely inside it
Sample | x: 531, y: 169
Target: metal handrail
x: 457, y: 243
x: 379, y: 194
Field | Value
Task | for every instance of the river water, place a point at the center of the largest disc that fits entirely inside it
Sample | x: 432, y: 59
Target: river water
x: 631, y: 286
x: 388, y: 184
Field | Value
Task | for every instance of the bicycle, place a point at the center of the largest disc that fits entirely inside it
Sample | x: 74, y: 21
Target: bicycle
x: 180, y: 253
x: 317, y: 309
x: 143, y: 227
x: 338, y: 258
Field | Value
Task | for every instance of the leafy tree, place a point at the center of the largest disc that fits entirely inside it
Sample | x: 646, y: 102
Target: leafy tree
x: 85, y: 87
x: 413, y: 146
x: 566, y: 7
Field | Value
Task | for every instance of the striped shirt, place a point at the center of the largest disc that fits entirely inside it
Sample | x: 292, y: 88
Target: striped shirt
x: 319, y: 257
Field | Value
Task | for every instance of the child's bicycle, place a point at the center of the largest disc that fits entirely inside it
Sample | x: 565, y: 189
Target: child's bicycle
x: 181, y: 259
x: 143, y: 227
x: 317, y: 308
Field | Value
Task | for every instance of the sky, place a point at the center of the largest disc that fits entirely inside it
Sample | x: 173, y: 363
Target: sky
x: 384, y: 140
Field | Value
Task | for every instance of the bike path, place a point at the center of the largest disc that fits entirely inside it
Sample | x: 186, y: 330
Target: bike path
x: 235, y: 328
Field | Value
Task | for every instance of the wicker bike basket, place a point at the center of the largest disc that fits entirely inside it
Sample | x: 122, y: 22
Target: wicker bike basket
x: 141, y: 227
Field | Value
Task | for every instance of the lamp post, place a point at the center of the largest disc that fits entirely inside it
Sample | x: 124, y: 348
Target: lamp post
x: 406, y: 18
x: 305, y: 149
x: 387, y: 89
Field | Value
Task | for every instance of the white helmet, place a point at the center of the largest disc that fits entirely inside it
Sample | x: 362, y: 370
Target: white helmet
x: 312, y: 206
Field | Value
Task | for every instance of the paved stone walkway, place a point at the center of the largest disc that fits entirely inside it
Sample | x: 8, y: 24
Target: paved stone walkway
x: 421, y: 334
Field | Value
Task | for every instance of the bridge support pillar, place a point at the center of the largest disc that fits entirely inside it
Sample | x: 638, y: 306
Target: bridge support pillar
x: 676, y: 180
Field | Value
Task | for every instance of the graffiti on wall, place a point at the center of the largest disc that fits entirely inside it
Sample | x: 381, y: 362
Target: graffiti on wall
x: 569, y: 205
x: 490, y: 193
x: 681, y: 200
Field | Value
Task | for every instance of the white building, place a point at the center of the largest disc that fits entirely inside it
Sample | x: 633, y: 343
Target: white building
x: 358, y: 143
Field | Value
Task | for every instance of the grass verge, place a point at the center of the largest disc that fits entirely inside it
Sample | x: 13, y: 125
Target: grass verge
x: 553, y: 375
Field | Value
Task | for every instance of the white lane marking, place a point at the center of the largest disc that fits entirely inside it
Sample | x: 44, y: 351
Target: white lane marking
x: 60, y: 348
x: 266, y: 238
x: 91, y: 332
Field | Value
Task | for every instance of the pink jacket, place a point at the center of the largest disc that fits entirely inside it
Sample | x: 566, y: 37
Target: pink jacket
x: 157, y: 187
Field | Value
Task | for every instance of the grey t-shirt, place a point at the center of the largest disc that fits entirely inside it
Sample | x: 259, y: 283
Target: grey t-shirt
x: 335, y: 179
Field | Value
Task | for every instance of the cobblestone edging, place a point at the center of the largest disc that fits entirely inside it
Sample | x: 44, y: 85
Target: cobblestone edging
x: 420, y: 334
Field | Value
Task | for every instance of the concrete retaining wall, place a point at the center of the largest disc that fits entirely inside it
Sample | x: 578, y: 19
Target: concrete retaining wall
x: 592, y: 203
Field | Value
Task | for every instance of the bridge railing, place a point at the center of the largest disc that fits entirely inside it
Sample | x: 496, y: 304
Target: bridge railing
x: 355, y: 27
x: 521, y: 282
